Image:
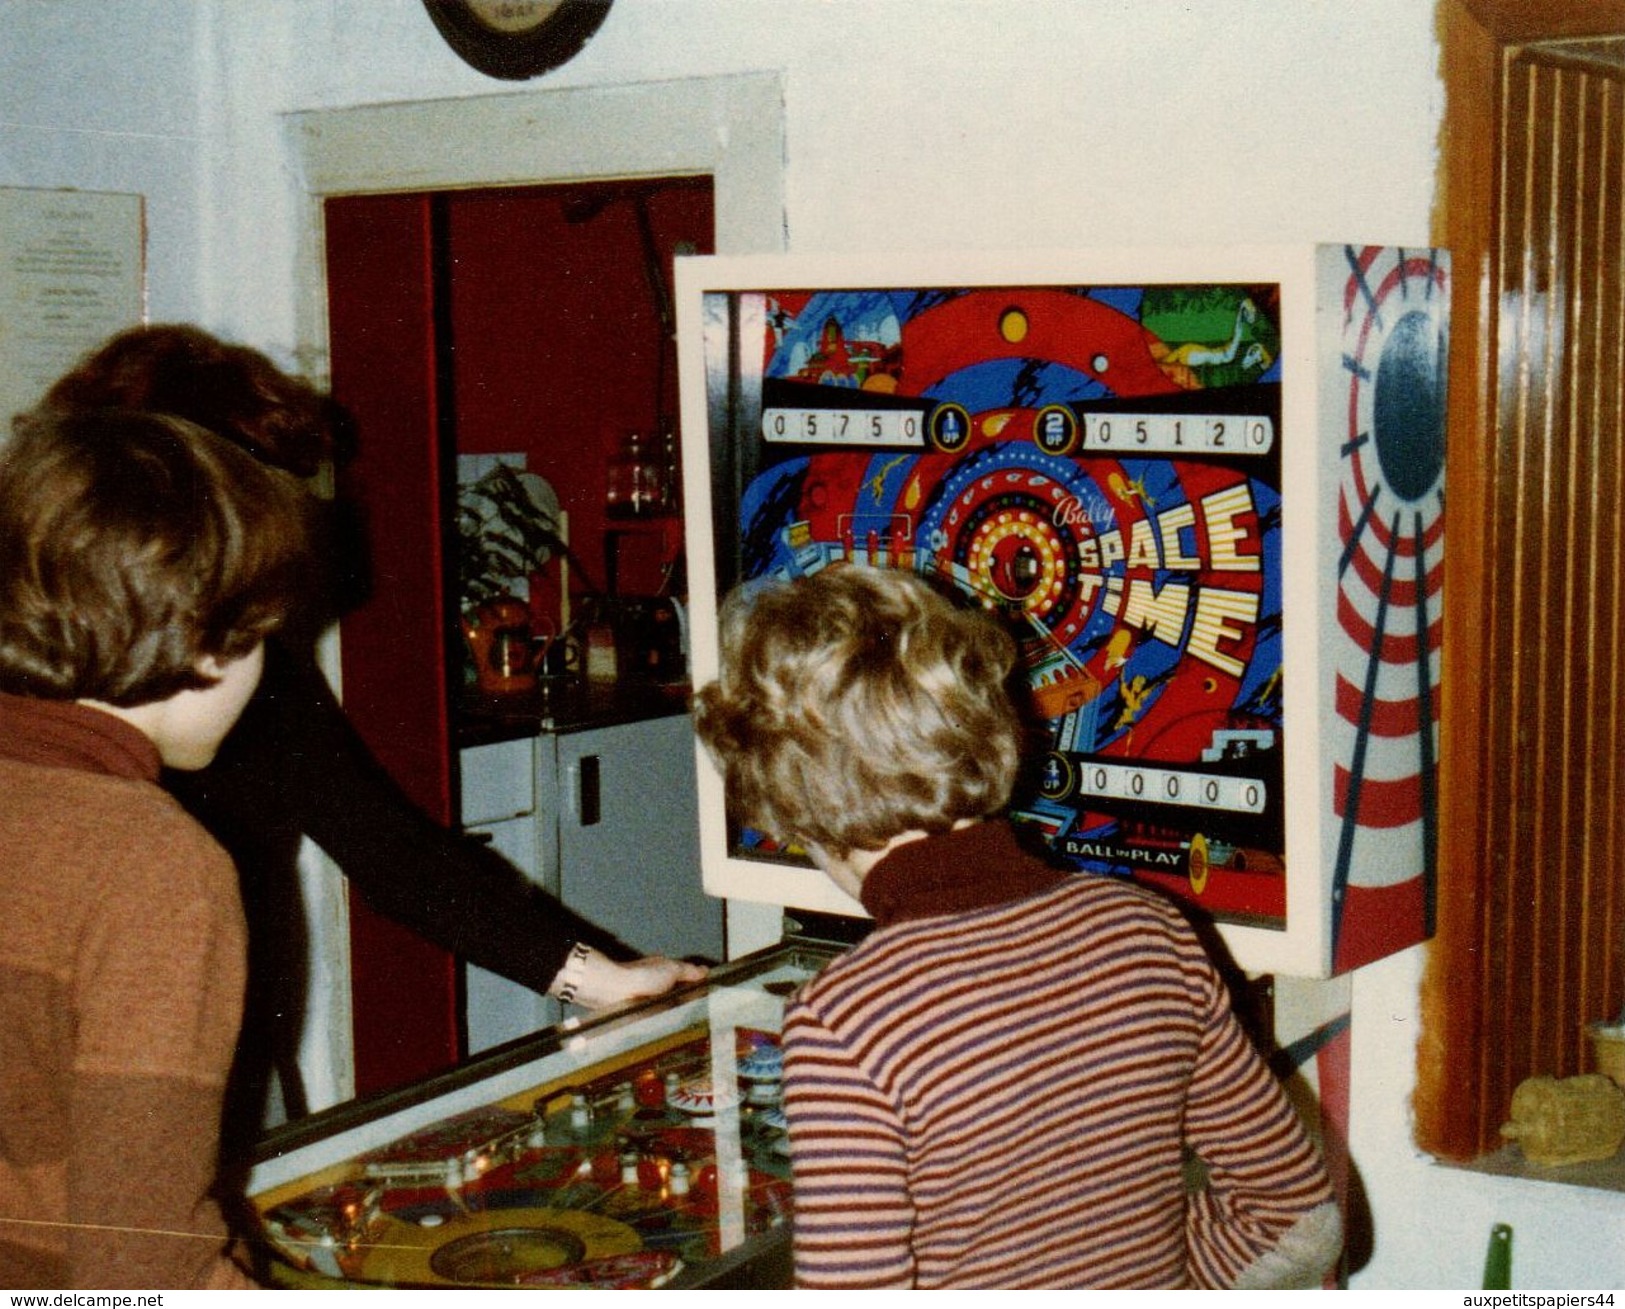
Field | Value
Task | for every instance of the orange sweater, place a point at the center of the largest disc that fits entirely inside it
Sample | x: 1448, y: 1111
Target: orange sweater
x: 121, y: 977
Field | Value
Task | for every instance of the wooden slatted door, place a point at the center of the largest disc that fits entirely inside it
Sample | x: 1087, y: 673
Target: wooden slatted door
x: 1532, y: 910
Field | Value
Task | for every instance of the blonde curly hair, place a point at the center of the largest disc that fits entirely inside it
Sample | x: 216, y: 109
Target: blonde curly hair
x: 857, y: 704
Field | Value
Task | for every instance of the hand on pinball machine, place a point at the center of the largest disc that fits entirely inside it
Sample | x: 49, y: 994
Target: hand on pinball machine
x: 594, y: 981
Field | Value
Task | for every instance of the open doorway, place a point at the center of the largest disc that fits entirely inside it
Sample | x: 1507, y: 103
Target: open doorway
x: 532, y: 323
x: 721, y: 138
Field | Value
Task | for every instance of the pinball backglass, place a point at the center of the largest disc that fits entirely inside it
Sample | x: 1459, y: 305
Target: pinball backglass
x: 1203, y: 489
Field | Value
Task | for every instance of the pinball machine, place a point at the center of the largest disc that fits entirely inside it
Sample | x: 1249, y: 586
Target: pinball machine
x: 1203, y: 487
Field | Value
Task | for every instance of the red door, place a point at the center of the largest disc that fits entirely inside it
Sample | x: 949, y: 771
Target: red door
x: 381, y: 324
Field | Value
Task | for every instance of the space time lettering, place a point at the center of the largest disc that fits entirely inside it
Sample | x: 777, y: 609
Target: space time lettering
x: 1120, y: 572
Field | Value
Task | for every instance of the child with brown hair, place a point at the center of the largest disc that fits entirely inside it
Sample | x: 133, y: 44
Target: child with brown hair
x: 1003, y: 1083
x: 143, y: 562
x: 295, y: 767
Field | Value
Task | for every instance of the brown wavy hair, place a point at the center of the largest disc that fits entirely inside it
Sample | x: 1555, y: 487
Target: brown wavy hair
x: 231, y: 390
x: 858, y: 704
x: 132, y: 545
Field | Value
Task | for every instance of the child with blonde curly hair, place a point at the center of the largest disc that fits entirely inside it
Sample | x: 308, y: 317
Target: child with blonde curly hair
x: 1002, y: 1084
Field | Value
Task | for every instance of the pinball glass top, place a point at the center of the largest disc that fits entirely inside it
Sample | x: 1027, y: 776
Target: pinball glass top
x: 643, y: 1148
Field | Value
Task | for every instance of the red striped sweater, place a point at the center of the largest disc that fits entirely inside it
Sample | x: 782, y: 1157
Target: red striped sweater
x: 998, y: 1088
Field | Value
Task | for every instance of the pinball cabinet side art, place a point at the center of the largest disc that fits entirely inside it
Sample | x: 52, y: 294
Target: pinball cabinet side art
x: 637, y: 1149
x: 1204, y: 489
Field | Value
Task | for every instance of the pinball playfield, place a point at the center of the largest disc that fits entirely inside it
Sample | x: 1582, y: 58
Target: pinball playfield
x: 642, y: 1150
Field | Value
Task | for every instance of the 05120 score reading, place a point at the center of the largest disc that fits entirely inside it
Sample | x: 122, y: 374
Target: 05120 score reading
x: 1231, y: 434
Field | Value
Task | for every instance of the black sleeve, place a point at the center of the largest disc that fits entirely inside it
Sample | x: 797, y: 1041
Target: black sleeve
x: 294, y: 764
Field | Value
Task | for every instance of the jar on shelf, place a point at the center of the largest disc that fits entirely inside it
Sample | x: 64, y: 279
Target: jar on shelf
x: 639, y: 482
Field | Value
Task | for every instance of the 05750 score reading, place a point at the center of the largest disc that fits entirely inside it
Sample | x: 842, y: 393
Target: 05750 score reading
x: 844, y: 426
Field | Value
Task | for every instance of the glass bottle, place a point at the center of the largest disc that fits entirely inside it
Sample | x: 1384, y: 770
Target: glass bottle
x: 638, y: 484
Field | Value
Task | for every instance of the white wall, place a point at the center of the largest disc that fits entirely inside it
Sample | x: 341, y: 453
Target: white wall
x: 110, y: 106
x: 909, y: 123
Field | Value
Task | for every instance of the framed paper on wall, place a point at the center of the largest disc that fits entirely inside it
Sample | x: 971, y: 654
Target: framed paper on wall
x: 73, y: 273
